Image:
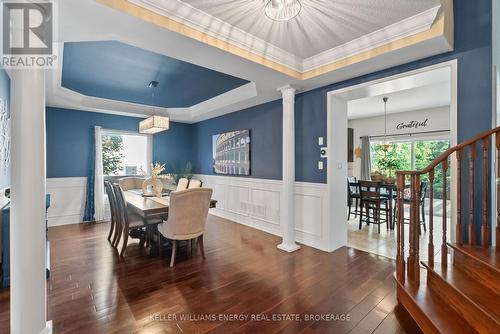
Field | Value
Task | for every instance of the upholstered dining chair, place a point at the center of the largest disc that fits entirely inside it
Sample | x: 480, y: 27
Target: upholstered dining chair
x: 132, y: 222
x: 193, y: 184
x: 182, y: 184
x: 187, y: 216
x: 129, y: 183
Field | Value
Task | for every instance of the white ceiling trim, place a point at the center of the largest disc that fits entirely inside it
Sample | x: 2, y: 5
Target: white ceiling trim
x: 210, y: 25
x: 399, y: 30
x: 60, y: 97
x: 195, y: 18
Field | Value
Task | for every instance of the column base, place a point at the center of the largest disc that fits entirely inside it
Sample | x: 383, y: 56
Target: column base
x: 291, y: 247
x: 48, y: 328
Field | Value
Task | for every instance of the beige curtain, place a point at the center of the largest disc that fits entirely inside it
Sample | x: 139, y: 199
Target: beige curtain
x: 366, y: 161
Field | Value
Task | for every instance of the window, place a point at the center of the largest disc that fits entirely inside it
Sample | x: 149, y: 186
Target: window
x: 410, y: 155
x: 398, y: 156
x: 125, y: 153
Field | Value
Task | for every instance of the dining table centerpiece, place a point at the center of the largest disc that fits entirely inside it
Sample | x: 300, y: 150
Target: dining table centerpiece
x: 153, y: 185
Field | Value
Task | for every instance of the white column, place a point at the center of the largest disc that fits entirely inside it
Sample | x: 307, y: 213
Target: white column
x: 27, y: 223
x: 287, y: 205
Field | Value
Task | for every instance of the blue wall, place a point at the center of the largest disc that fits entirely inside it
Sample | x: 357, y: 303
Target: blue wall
x: 5, y: 95
x: 265, y: 124
x: 473, y: 39
x: 69, y: 141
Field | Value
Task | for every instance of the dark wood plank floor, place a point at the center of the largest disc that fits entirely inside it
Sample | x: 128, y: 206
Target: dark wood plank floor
x: 91, y: 291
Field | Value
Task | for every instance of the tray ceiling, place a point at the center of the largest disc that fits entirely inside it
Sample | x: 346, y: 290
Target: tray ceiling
x: 326, y: 35
x: 321, y: 24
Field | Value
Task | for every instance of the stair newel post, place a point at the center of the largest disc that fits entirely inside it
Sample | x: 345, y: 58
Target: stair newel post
x: 431, y: 218
x: 485, y: 233
x: 413, y: 258
x: 472, y: 163
x: 459, y: 232
x: 444, y: 246
x: 497, y: 137
x: 400, y: 262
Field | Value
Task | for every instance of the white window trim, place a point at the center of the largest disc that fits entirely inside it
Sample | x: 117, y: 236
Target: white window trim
x: 110, y: 132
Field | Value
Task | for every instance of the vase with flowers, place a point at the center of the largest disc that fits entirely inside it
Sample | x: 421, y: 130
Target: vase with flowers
x: 153, y: 186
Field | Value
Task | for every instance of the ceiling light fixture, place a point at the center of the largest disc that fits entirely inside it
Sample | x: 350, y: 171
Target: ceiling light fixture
x: 154, y: 124
x: 282, y: 10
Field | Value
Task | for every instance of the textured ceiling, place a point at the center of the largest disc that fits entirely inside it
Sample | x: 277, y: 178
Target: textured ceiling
x: 321, y: 25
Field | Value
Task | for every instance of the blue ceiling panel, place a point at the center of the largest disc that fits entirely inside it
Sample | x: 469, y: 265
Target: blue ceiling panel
x: 117, y: 71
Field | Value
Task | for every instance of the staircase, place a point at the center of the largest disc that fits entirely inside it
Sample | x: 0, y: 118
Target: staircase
x: 460, y: 291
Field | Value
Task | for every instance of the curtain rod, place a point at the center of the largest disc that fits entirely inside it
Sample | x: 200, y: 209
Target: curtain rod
x: 407, y: 134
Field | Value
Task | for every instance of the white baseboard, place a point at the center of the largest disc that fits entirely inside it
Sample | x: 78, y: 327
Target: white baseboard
x: 256, y: 203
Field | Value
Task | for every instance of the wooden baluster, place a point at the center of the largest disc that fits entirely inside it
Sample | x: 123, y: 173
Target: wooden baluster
x: 472, y: 162
x: 460, y: 237
x: 400, y: 262
x: 431, y: 219
x: 413, y: 258
x: 497, y: 136
x: 444, y: 246
x: 485, y: 233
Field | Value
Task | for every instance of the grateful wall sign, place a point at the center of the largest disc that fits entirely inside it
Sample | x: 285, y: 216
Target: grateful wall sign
x: 412, y: 125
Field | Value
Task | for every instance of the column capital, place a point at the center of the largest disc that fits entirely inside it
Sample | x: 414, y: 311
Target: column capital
x: 287, y: 92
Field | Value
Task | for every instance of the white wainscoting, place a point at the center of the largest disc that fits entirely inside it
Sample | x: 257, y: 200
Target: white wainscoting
x: 248, y: 201
x: 256, y: 203
x: 67, y: 197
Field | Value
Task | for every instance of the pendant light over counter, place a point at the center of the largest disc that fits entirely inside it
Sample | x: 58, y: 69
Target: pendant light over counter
x: 155, y: 123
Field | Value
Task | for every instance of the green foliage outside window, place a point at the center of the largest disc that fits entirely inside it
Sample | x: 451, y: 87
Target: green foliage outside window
x: 112, y: 154
x: 388, y: 160
x: 425, y: 153
x: 397, y: 156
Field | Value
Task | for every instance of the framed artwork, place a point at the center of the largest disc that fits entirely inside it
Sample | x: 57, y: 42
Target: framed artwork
x: 4, y: 137
x: 231, y: 153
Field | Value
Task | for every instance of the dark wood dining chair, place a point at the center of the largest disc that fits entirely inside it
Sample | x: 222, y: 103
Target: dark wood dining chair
x: 422, y: 196
x: 372, y: 199
x: 113, y: 226
x: 353, y: 197
x: 133, y: 225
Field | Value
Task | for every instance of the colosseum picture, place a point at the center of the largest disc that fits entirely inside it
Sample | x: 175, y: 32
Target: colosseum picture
x: 231, y: 153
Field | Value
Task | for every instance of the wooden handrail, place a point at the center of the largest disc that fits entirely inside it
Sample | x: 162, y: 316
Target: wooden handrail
x: 449, y: 152
x: 468, y: 222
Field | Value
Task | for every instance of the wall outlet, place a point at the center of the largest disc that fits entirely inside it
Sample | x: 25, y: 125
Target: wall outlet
x: 320, y: 165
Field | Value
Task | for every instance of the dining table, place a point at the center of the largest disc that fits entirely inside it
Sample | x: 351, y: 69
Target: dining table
x: 148, y: 207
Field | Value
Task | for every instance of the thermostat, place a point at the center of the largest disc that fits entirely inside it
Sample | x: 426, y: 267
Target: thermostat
x: 324, y: 152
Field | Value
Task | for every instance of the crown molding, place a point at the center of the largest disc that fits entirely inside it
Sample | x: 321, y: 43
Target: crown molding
x: 199, y: 20
x: 399, y: 30
x: 209, y: 25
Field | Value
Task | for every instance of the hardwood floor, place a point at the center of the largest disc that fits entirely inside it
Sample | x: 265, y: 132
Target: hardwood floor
x: 384, y: 243
x: 244, y: 274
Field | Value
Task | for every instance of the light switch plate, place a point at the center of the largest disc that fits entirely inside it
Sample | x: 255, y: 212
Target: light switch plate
x: 339, y: 166
x: 321, y: 141
x: 320, y: 165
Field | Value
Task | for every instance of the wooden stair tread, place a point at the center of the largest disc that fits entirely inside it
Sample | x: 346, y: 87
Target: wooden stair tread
x: 439, y: 313
x: 482, y: 296
x: 488, y: 256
